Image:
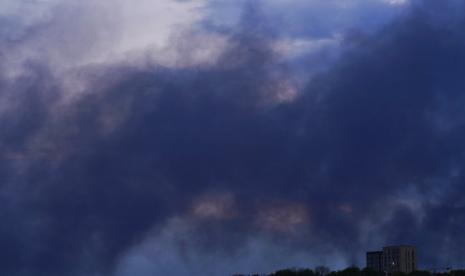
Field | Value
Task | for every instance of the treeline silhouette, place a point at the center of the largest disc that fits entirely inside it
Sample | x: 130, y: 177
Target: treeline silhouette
x: 353, y: 271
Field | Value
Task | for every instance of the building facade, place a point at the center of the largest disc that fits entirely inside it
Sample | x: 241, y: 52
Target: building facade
x: 375, y: 260
x: 398, y: 258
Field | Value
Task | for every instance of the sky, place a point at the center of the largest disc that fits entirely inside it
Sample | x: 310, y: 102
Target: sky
x: 212, y: 137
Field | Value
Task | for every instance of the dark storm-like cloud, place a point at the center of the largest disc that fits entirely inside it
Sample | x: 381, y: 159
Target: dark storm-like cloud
x: 371, y: 147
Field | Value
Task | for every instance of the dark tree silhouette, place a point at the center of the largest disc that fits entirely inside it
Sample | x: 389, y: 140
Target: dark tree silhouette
x: 353, y: 271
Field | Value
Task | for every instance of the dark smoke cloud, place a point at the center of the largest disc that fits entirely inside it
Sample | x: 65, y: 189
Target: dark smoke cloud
x: 369, y: 152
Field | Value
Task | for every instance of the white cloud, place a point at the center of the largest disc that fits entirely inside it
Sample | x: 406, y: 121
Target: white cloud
x: 66, y: 34
x: 295, y: 47
x: 396, y: 2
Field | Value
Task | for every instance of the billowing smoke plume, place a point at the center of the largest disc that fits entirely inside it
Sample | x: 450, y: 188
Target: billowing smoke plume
x: 212, y: 151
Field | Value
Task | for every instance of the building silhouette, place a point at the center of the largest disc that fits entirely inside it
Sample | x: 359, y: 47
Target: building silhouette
x: 397, y: 258
x: 375, y: 260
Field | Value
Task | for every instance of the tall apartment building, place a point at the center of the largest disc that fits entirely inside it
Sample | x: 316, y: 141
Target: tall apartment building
x: 398, y: 258
x: 375, y: 260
